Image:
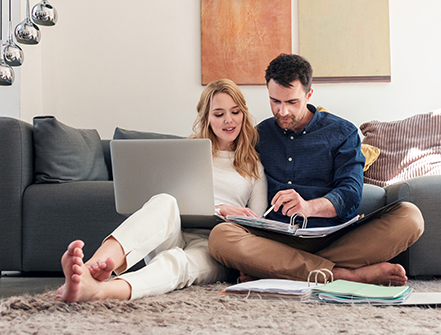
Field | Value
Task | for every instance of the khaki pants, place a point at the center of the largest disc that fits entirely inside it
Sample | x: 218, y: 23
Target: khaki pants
x: 264, y: 254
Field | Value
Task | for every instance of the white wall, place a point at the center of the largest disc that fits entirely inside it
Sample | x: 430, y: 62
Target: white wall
x: 136, y: 65
x: 10, y: 95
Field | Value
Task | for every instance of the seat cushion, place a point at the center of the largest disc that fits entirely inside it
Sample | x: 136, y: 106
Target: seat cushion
x: 56, y: 214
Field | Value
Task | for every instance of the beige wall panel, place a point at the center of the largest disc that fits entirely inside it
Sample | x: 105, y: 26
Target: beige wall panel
x: 346, y: 40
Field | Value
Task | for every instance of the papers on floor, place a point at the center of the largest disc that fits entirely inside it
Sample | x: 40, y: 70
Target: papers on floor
x: 338, y: 291
x: 272, y: 288
x: 343, y: 291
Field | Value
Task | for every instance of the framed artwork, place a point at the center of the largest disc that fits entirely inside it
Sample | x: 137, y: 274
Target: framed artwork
x: 346, y: 40
x: 240, y: 37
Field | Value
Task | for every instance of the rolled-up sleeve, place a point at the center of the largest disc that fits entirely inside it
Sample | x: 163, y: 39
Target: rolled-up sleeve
x: 348, y: 177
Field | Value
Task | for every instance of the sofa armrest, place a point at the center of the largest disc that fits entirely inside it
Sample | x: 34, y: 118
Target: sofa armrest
x: 16, y: 173
x: 424, y: 192
x: 373, y: 198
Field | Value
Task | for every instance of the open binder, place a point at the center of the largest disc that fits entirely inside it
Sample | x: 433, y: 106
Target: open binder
x: 294, y: 229
x: 337, y: 292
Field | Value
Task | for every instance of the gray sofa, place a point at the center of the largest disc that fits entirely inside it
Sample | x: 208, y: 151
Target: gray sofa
x: 38, y: 221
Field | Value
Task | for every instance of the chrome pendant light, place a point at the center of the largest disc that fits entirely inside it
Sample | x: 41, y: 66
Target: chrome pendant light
x: 44, y: 14
x: 27, y: 32
x: 6, y: 72
x: 13, y: 54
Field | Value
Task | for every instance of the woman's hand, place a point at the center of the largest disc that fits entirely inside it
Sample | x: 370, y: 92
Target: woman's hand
x: 225, y: 210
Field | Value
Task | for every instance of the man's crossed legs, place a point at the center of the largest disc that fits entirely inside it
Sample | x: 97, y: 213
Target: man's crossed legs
x: 359, y: 254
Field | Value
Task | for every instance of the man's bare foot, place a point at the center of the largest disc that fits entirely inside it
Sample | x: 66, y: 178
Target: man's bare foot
x: 380, y: 274
x: 79, y: 284
x: 244, y: 278
x: 101, y: 270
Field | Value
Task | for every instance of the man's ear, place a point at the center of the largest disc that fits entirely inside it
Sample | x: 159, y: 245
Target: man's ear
x: 309, y: 94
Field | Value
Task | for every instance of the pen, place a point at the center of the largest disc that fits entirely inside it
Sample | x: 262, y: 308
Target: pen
x: 268, y: 211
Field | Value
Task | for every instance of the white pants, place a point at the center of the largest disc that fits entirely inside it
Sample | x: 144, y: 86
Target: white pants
x: 178, y: 259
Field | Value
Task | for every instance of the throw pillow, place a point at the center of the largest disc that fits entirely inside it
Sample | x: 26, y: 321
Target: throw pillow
x: 371, y: 154
x: 123, y: 134
x: 408, y: 148
x: 65, y: 154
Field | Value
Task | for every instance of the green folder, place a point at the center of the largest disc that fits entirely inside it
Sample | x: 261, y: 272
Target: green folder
x: 348, y: 289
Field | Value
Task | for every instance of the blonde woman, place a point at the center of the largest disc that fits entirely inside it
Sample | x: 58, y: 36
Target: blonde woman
x: 179, y: 258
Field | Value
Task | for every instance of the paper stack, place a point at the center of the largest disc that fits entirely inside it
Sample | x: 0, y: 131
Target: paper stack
x: 272, y: 288
x: 343, y: 291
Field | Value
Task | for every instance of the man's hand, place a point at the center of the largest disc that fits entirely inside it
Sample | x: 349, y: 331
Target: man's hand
x: 225, y: 210
x: 290, y: 202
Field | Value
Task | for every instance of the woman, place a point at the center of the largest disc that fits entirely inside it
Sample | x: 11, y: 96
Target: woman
x: 178, y: 258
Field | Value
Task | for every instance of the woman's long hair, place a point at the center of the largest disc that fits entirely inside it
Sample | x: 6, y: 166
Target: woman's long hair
x: 245, y: 156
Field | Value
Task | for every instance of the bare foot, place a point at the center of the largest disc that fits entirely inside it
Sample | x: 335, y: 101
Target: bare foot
x: 244, y: 278
x: 101, y: 270
x: 79, y: 284
x: 380, y: 274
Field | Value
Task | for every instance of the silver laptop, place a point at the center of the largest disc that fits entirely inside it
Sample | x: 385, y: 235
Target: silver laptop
x: 179, y: 167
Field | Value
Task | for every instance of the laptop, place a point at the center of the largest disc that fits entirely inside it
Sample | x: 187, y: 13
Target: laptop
x: 182, y: 168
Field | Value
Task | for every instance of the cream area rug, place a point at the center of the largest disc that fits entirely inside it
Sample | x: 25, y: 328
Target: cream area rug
x: 204, y: 310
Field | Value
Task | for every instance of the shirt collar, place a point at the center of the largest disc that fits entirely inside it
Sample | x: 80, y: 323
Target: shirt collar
x: 316, y: 117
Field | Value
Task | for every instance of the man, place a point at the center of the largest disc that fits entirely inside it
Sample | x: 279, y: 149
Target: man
x: 314, y: 166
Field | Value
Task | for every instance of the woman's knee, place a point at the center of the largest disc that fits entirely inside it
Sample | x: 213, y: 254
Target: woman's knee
x: 164, y: 199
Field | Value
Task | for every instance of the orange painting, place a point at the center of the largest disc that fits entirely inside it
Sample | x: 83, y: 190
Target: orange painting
x: 240, y: 38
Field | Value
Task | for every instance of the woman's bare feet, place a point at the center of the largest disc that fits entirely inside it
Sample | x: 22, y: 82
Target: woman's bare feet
x: 101, y: 271
x: 380, y: 274
x: 79, y: 284
x: 114, y: 256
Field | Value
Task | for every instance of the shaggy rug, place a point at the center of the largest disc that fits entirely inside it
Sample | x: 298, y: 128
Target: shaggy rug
x: 204, y: 310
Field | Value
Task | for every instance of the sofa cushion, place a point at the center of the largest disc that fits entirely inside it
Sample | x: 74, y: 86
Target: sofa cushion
x: 56, y: 214
x: 65, y: 154
x: 123, y: 134
x: 408, y: 148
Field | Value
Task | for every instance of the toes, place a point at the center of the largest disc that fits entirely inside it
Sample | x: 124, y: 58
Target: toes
x: 77, y: 269
x: 110, y: 264
x: 77, y: 261
x: 102, y: 265
x: 76, y: 279
x: 78, y: 252
x: 74, y: 245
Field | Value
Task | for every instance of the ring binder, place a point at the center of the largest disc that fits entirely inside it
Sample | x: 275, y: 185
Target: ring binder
x: 292, y: 228
x: 322, y: 272
x: 292, y: 222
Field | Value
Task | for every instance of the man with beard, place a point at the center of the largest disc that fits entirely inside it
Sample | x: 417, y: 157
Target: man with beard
x: 314, y: 168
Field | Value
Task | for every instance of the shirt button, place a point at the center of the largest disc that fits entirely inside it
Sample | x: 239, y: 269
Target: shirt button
x: 304, y: 132
x: 290, y: 182
x: 290, y: 159
x: 292, y: 137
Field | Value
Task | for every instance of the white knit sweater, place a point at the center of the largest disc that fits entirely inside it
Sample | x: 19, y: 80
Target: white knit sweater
x: 232, y: 189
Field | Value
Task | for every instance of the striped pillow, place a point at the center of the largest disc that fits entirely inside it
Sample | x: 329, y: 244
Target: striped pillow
x: 408, y: 148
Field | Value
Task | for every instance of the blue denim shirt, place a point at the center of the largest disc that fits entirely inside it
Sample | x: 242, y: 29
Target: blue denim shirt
x: 322, y: 160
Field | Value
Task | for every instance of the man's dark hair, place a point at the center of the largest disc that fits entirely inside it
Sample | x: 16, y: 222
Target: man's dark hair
x: 284, y: 69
